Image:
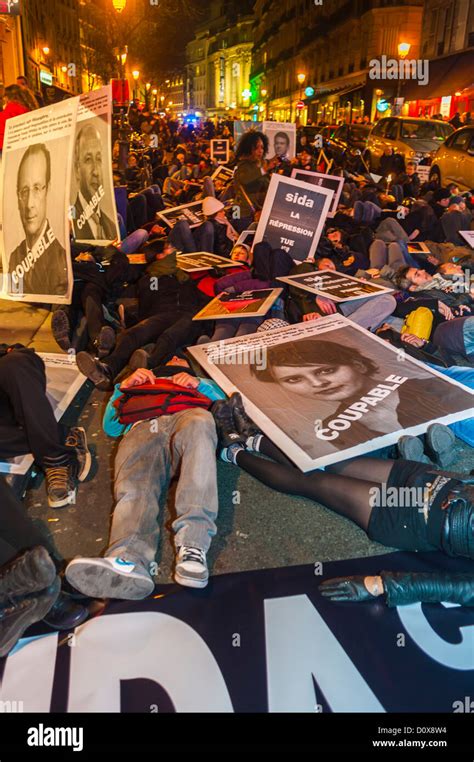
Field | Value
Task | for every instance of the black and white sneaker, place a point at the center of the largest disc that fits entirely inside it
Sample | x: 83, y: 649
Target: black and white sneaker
x: 78, y: 440
x: 110, y: 577
x: 225, y: 424
x: 191, y: 567
x: 61, y: 329
x: 60, y: 486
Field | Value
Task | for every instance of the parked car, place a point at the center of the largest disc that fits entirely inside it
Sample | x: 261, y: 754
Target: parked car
x: 453, y: 162
x: 347, y: 140
x: 416, y: 139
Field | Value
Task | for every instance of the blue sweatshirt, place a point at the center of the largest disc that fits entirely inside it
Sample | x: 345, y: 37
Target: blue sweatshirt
x: 112, y: 425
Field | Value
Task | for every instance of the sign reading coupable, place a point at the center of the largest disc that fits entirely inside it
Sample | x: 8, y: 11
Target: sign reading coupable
x: 335, y: 286
x: 328, y: 390
x: 293, y: 216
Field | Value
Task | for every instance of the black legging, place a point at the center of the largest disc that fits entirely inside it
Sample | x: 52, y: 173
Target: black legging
x: 348, y: 494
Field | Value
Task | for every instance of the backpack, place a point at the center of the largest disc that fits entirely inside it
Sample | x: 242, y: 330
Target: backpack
x: 141, y: 403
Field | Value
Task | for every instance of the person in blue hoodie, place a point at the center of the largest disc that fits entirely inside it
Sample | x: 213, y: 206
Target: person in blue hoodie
x: 150, y: 453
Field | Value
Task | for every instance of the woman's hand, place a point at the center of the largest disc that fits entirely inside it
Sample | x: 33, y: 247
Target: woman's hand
x: 415, y: 341
x: 311, y: 316
x: 141, y: 376
x: 326, y: 306
x: 445, y: 311
x: 184, y: 379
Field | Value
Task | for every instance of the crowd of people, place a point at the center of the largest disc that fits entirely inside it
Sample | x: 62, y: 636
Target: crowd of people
x: 396, y: 231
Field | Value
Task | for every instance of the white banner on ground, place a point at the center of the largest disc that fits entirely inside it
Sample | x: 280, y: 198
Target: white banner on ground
x: 36, y: 172
x: 335, y: 286
x: 293, y: 216
x: 328, y: 390
x: 92, y: 200
x: 282, y: 139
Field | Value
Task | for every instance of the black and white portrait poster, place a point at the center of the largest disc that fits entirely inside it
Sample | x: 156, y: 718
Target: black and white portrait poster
x: 36, y: 177
x: 202, y: 260
x: 247, y: 304
x: 328, y: 390
x: 191, y: 213
x: 220, y: 151
x: 293, y: 216
x: 92, y: 210
x: 282, y: 139
x: 335, y: 286
x: 332, y: 182
x: 468, y: 235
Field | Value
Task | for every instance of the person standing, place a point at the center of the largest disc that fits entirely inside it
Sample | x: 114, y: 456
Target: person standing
x: 16, y: 103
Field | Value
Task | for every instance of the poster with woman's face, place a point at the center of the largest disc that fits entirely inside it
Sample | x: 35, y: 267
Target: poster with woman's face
x: 328, y: 390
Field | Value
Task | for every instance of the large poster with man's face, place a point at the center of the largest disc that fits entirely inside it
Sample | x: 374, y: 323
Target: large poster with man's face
x: 36, y: 172
x: 328, y: 390
x: 92, y: 210
x: 282, y: 140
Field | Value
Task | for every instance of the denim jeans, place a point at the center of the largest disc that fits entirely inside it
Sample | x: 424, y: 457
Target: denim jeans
x: 148, y: 456
x: 382, y: 254
x: 369, y: 313
x: 189, y: 240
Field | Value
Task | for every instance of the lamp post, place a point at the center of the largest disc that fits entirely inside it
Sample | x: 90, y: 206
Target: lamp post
x: 264, y: 93
x: 403, y: 50
x: 136, y: 76
x: 301, y: 79
x: 119, y: 5
x: 155, y: 93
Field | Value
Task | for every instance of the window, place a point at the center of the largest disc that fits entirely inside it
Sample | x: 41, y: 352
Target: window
x: 380, y: 128
x: 391, y: 130
x: 461, y: 141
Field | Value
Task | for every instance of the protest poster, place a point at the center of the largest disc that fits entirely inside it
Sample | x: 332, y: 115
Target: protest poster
x: 191, y: 213
x: 92, y: 210
x: 281, y: 138
x: 247, y: 304
x: 240, y: 127
x: 220, y: 151
x: 36, y: 169
x: 468, y: 236
x: 335, y: 286
x: 246, y: 237
x: 202, y: 260
x: 423, y: 172
x: 328, y: 390
x: 293, y: 216
x: 222, y: 177
x: 332, y: 182
x: 418, y: 247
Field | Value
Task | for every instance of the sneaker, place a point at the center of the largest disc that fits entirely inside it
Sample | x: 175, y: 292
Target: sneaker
x: 78, y: 440
x: 110, y: 577
x: 226, y: 427
x: 139, y: 359
x: 440, y: 445
x: 61, y: 329
x: 105, y: 342
x: 245, y: 425
x: 411, y: 448
x: 95, y: 370
x: 60, y: 486
x: 191, y: 567
x: 21, y: 613
x: 29, y: 572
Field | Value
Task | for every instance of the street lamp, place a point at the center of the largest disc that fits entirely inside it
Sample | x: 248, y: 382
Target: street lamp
x: 119, y: 5
x: 403, y: 50
x: 136, y: 76
x: 301, y: 79
x: 264, y: 93
x: 46, y: 50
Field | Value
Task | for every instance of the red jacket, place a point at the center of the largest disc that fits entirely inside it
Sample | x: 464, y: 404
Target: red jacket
x: 11, y: 109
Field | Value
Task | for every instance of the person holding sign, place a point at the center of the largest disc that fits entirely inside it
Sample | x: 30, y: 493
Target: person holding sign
x: 250, y: 180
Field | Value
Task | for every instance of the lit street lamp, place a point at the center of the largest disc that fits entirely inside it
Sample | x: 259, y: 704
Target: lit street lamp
x: 264, y: 93
x: 403, y: 50
x: 119, y: 5
x: 136, y: 76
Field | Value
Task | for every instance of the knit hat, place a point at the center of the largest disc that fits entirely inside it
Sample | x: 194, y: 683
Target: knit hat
x: 211, y: 206
x: 441, y: 194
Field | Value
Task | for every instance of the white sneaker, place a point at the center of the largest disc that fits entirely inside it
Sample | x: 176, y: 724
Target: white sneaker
x: 191, y: 567
x: 110, y: 578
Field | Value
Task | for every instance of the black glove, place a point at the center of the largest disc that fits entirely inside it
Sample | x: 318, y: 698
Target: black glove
x: 346, y: 589
x: 402, y: 588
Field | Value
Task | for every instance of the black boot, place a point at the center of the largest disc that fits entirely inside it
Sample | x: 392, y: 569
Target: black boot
x: 66, y: 613
x: 225, y: 424
x: 29, y: 572
x: 95, y: 370
x: 245, y: 425
x: 21, y: 613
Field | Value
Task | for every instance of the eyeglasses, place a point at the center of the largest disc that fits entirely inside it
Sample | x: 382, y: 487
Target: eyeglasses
x: 36, y: 190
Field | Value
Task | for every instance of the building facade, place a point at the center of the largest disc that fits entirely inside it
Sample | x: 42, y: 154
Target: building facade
x: 448, y: 43
x: 332, y: 45
x: 218, y: 62
x: 11, y: 46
